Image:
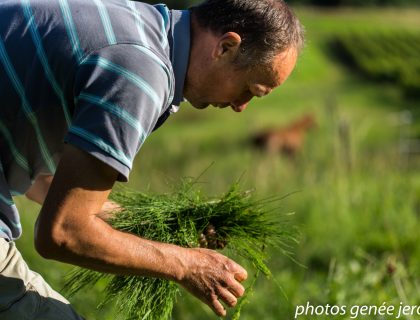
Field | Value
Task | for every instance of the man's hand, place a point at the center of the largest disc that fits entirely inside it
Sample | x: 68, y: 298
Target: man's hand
x: 213, y: 278
x: 210, y: 239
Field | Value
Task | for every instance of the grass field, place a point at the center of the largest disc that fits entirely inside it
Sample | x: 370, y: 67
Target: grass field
x: 355, y: 201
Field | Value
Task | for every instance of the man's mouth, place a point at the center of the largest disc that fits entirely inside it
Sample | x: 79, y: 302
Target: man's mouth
x: 220, y: 105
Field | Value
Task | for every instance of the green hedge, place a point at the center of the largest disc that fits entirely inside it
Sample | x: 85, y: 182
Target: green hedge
x: 363, y: 3
x: 389, y: 57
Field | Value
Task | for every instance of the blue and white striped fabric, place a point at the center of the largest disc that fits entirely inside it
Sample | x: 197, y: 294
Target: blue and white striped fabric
x: 98, y: 74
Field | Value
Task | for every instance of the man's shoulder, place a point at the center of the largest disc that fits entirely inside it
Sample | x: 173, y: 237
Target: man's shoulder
x: 91, y: 25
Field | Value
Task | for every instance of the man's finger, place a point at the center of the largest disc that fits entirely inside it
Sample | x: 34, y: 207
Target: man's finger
x: 236, y: 288
x: 239, y: 273
x: 241, y: 276
x: 217, y: 306
x: 227, y: 297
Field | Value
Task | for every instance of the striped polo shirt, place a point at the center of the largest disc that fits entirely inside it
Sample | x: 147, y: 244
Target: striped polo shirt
x: 98, y: 74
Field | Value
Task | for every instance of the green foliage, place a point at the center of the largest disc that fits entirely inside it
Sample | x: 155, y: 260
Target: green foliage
x: 179, y: 218
x: 390, y: 56
x: 356, y: 3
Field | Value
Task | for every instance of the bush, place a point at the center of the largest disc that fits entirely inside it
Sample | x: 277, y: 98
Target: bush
x: 356, y: 3
x: 390, y: 57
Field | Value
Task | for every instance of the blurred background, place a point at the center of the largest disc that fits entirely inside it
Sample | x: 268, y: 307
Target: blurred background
x: 341, y: 138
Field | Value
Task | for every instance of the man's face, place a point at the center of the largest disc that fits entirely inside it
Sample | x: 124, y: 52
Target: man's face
x: 222, y: 84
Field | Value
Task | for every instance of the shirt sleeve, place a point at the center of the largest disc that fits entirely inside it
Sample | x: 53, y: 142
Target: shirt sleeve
x: 120, y: 92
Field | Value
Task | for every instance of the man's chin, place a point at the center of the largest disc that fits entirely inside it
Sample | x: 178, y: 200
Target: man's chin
x: 206, y: 104
x: 200, y: 106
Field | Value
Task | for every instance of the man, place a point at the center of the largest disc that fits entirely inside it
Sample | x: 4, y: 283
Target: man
x: 101, y: 75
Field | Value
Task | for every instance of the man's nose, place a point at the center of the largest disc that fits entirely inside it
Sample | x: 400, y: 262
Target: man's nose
x: 239, y: 106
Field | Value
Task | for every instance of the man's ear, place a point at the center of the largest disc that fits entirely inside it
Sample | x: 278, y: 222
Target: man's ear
x: 227, y: 46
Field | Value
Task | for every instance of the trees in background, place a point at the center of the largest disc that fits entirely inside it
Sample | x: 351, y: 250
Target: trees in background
x: 333, y: 3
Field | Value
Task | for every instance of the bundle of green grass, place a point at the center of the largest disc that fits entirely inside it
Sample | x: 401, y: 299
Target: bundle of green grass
x: 242, y: 222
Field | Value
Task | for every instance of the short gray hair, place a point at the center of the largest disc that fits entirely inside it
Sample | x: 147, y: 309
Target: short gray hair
x: 267, y: 27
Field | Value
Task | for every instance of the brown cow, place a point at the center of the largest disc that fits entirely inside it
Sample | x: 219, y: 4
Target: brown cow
x: 286, y: 140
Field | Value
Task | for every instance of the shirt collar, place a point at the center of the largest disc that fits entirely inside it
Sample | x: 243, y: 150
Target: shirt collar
x: 180, y: 50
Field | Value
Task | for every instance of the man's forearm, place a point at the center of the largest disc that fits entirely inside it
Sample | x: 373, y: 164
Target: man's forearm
x: 96, y: 245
